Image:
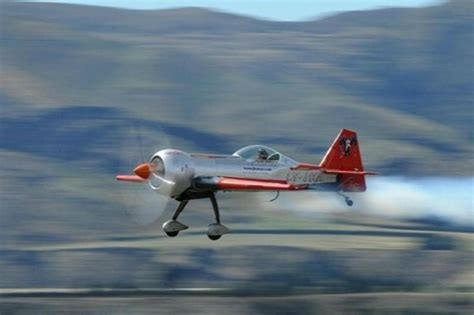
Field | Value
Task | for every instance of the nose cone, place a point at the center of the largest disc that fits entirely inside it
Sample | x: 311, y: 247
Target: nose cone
x: 143, y: 170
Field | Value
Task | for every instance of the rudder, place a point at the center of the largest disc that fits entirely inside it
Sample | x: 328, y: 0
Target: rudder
x: 344, y: 155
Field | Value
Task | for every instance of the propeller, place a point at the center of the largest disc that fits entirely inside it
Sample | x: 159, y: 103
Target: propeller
x: 143, y: 204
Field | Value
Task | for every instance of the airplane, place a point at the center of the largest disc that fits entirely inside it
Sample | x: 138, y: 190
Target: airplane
x: 183, y: 176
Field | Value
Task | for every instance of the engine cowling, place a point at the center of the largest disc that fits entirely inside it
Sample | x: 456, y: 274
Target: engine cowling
x: 172, y: 172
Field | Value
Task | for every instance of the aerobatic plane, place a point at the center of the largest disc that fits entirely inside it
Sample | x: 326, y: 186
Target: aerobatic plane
x: 187, y: 176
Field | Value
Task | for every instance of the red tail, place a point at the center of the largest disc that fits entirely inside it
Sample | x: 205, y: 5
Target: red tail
x: 344, y: 159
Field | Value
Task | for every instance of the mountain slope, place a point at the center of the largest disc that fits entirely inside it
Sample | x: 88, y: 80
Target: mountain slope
x: 401, y: 77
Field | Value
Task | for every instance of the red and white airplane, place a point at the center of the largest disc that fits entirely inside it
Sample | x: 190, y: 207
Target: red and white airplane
x: 183, y: 176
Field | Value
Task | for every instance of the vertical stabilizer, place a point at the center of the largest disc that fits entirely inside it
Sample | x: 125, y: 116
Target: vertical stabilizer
x: 344, y: 156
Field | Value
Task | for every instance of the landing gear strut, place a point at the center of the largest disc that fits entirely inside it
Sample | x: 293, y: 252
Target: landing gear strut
x: 173, y: 227
x: 216, y: 230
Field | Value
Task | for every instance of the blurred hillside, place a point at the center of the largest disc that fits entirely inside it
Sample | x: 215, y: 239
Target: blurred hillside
x: 72, y: 75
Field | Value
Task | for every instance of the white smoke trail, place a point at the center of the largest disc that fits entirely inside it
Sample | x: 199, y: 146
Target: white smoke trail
x: 444, y: 198
x: 450, y: 199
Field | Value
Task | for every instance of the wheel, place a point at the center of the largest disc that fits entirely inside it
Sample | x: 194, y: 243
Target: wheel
x: 172, y: 234
x: 349, y: 202
x: 214, y: 237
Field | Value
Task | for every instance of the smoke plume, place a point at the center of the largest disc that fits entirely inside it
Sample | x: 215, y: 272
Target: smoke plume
x: 442, y: 198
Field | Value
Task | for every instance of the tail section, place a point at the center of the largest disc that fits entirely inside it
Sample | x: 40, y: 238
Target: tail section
x: 344, y: 160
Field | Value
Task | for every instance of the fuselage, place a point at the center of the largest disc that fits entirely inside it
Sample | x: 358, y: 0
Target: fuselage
x: 237, y: 167
x: 181, y: 168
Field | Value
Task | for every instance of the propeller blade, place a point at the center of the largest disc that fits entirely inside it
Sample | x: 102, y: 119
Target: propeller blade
x: 143, y: 205
x: 130, y: 178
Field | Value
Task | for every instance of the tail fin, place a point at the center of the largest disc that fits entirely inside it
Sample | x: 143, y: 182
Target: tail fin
x: 344, y: 159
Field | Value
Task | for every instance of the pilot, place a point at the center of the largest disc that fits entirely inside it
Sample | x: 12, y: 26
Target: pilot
x: 262, y: 154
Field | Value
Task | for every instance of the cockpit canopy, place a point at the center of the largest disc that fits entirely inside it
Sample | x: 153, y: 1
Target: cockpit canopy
x: 261, y: 153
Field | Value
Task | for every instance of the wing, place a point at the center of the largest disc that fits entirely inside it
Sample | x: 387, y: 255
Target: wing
x: 243, y: 184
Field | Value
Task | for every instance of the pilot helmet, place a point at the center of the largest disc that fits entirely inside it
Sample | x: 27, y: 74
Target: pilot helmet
x: 262, y: 154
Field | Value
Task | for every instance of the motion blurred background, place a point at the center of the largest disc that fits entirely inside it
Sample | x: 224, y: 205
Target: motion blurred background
x: 77, y: 82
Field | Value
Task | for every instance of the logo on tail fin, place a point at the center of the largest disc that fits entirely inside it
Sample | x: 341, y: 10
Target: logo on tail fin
x: 345, y: 144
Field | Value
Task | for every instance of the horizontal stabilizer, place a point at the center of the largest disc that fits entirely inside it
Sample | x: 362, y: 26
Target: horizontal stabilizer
x: 335, y: 172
